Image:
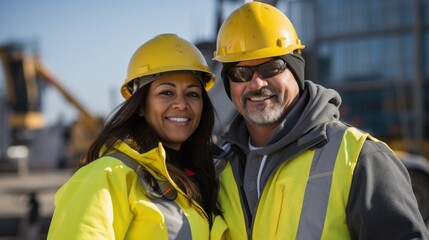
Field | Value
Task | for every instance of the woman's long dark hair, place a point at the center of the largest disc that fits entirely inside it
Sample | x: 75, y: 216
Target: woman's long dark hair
x: 125, y: 124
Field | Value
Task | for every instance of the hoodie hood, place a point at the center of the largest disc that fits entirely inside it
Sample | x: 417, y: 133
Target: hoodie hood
x: 316, y: 106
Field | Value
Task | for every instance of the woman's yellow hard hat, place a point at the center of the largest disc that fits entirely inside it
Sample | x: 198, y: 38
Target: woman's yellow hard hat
x: 165, y: 53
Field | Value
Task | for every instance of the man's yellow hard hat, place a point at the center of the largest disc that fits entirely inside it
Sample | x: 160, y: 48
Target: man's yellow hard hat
x: 256, y: 30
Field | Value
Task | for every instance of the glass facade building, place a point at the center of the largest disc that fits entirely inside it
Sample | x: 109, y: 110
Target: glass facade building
x: 376, y: 55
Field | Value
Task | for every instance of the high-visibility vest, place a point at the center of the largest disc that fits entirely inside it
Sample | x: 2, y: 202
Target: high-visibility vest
x: 305, y: 198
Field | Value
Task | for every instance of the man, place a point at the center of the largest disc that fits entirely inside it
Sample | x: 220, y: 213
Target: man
x: 291, y: 169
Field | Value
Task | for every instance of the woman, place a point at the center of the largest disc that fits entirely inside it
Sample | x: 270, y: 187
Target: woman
x: 149, y: 174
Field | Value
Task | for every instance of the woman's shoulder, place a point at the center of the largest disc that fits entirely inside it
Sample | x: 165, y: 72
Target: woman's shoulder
x: 105, y: 166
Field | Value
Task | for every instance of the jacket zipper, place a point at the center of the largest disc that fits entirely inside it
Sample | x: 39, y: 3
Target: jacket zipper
x: 280, y: 210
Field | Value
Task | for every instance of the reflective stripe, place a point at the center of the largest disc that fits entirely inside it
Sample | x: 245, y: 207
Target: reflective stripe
x: 318, y: 188
x: 177, y: 223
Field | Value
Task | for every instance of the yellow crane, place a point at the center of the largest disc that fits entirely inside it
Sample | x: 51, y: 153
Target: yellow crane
x: 24, y: 78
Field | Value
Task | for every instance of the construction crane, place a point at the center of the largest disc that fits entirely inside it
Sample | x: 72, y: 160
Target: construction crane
x: 25, y: 78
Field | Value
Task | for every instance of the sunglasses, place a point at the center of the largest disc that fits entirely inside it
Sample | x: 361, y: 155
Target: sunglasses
x: 156, y: 188
x: 264, y: 70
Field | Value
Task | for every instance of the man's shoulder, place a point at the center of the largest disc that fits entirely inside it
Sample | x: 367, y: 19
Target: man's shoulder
x: 222, y: 154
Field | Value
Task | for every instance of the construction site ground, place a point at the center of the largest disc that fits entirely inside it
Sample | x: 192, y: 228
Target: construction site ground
x: 17, y: 221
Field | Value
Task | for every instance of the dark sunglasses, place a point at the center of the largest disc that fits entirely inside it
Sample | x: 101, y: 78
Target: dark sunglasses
x: 156, y: 188
x: 264, y: 70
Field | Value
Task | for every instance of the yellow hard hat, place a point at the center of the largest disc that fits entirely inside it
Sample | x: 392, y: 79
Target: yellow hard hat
x: 165, y: 53
x: 255, y: 30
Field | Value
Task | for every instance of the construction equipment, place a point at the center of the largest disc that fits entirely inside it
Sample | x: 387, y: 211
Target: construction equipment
x: 26, y: 140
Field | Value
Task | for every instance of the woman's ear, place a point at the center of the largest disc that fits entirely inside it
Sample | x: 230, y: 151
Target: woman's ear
x: 141, y: 112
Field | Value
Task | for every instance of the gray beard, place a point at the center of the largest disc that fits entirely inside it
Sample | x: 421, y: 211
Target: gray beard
x: 265, y: 115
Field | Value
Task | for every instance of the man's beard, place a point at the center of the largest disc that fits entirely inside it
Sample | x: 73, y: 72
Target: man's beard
x: 264, y: 114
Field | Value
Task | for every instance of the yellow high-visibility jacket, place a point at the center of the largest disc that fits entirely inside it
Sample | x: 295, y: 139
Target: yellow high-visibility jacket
x: 106, y: 200
x: 309, y: 184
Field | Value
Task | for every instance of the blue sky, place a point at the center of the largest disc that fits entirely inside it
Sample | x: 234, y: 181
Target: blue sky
x: 87, y: 44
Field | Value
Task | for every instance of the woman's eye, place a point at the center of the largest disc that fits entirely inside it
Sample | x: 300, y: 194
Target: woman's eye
x: 166, y: 92
x: 194, y: 94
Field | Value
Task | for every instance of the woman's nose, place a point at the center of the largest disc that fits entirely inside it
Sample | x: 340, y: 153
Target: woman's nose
x: 180, y: 102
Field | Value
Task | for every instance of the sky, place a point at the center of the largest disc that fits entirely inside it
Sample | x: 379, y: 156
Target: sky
x: 87, y: 44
